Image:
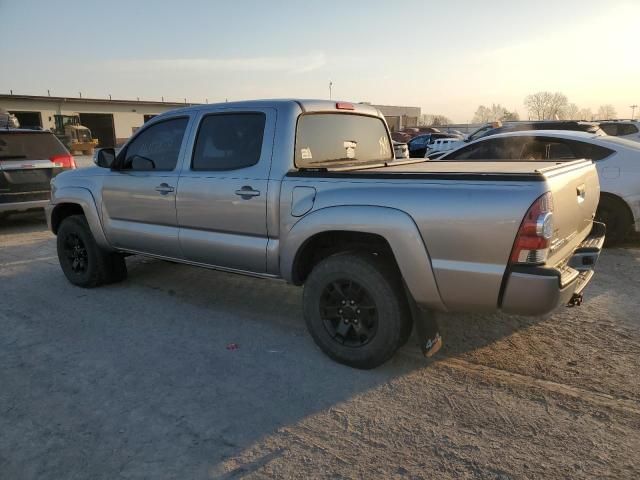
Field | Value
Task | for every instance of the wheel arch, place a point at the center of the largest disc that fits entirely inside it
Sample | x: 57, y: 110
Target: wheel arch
x: 620, y: 201
x: 379, y: 230
x: 76, y: 201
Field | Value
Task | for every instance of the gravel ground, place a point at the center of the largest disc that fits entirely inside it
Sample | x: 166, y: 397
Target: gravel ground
x: 136, y: 380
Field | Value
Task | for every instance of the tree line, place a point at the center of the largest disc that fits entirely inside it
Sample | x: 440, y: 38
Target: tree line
x: 540, y: 106
x: 556, y: 106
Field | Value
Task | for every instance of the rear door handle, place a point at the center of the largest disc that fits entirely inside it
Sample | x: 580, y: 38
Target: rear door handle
x: 247, y: 192
x: 164, y: 188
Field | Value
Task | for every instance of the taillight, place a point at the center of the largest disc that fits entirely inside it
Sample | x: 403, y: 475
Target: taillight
x: 536, y: 231
x: 63, y: 161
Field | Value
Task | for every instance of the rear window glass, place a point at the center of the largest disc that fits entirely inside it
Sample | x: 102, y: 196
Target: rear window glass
x: 627, y: 129
x: 609, y: 128
x: 330, y: 140
x: 29, y: 146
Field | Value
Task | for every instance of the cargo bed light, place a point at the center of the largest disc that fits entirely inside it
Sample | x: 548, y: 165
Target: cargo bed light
x: 345, y: 106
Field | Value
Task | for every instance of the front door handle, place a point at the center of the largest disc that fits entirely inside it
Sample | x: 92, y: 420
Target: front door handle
x: 164, y: 188
x: 247, y: 192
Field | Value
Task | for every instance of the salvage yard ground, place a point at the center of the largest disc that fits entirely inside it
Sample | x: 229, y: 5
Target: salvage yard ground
x: 139, y: 380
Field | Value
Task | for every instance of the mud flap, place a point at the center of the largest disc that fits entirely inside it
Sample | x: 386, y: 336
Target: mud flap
x: 427, y: 329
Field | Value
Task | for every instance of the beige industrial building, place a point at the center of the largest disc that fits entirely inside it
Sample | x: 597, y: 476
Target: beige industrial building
x: 113, y: 121
x: 400, y: 117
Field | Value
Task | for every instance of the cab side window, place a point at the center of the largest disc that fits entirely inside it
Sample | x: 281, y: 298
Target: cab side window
x: 229, y: 141
x: 156, y: 147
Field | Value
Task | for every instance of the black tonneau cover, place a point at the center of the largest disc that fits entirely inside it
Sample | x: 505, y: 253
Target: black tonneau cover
x: 454, y: 170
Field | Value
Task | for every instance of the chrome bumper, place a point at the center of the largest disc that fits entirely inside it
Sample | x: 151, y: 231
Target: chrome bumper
x: 540, y: 290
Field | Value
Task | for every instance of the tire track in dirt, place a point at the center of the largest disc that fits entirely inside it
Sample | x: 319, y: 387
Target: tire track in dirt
x: 517, y: 379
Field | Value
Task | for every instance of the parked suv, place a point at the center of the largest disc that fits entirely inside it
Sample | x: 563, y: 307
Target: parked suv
x: 29, y: 159
x: 629, y: 129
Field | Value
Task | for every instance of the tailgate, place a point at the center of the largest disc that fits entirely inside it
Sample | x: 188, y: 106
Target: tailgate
x: 576, y: 192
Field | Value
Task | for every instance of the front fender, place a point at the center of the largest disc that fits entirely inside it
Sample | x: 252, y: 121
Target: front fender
x: 395, y: 226
x: 82, y: 197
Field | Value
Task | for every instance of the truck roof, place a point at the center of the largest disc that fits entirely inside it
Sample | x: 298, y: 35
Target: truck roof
x: 306, y: 105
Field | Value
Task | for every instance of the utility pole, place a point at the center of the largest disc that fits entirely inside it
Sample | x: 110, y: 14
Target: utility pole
x: 330, y: 85
x: 633, y: 110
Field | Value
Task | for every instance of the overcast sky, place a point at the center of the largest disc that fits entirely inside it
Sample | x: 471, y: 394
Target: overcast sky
x: 446, y: 57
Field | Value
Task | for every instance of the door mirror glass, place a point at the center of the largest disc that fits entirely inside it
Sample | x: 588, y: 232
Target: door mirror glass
x: 104, y: 157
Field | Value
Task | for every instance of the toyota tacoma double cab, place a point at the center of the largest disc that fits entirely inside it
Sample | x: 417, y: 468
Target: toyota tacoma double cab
x: 309, y: 191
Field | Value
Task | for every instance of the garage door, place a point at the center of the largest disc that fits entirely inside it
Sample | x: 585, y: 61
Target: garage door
x: 29, y: 119
x: 101, y: 126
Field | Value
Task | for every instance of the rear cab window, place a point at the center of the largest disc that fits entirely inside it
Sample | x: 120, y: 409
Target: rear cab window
x: 229, y: 141
x: 339, y: 140
x: 29, y: 146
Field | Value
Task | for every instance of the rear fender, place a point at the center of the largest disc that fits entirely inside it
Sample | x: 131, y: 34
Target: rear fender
x: 395, y: 226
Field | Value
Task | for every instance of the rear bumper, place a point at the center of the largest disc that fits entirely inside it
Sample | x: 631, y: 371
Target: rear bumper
x: 23, y: 206
x: 540, y: 290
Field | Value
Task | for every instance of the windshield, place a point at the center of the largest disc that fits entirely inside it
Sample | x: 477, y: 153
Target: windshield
x: 334, y: 140
x: 480, y: 132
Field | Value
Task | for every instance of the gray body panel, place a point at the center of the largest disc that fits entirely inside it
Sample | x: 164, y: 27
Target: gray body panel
x: 451, y: 227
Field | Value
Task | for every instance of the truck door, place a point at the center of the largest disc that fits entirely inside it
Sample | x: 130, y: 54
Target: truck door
x: 139, y: 198
x: 222, y: 195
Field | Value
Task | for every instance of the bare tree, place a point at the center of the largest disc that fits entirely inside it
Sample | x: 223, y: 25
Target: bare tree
x: 546, y: 105
x: 585, y: 114
x: 482, y: 115
x: 511, y: 116
x: 606, y: 112
x: 435, y: 120
x: 571, y: 112
x: 496, y: 112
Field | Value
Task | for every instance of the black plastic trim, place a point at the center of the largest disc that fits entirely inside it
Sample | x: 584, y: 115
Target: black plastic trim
x: 511, y: 177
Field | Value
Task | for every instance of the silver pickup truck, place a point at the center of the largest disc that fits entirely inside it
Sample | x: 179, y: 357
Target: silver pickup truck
x: 310, y: 192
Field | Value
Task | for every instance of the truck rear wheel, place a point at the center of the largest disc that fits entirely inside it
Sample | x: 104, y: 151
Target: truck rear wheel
x: 83, y: 262
x: 356, y: 310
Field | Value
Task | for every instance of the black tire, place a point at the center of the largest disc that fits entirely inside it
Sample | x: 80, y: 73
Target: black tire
x: 367, y: 333
x: 615, y: 215
x: 83, y: 262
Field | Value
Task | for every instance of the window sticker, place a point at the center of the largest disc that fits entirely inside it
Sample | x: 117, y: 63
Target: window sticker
x: 350, y: 147
x: 306, y: 153
x: 384, y: 145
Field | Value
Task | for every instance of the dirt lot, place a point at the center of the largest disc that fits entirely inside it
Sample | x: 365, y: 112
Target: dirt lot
x: 136, y: 381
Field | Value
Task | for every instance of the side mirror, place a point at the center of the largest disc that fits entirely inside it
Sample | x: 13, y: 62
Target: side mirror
x: 104, y: 157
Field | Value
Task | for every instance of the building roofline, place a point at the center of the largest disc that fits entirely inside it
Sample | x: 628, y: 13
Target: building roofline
x: 46, y: 98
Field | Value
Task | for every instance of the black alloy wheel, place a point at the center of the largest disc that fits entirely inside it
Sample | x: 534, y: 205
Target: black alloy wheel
x: 76, y: 252
x: 349, y: 313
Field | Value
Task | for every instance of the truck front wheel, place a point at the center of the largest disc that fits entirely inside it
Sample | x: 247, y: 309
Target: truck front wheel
x: 355, y: 309
x: 83, y: 262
